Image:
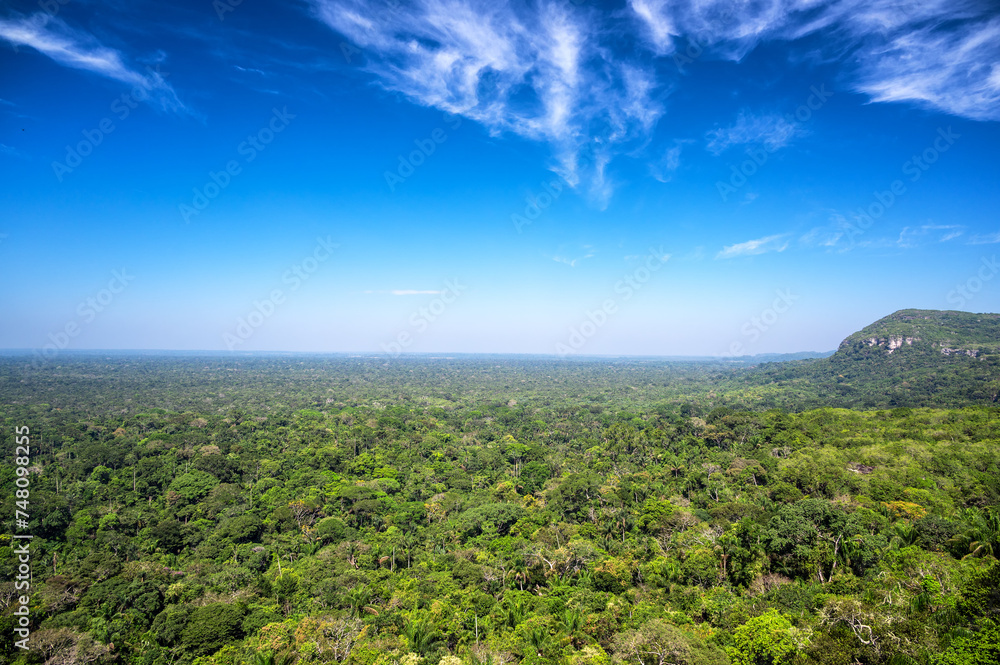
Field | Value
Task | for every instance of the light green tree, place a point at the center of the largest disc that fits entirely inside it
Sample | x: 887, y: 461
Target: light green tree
x: 769, y: 639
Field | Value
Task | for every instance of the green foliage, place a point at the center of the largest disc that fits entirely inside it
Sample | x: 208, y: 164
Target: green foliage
x: 981, y: 647
x: 193, y: 485
x: 576, y: 495
x: 210, y: 627
x: 769, y: 639
x: 492, y: 518
x: 344, y: 510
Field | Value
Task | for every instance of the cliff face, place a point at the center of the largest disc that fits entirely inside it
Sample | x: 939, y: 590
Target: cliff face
x: 892, y: 342
x: 972, y: 353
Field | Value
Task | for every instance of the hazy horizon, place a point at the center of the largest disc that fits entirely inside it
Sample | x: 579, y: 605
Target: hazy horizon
x: 382, y: 354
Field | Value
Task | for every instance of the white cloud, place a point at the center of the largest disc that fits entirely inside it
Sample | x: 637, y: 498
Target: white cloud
x: 775, y: 243
x: 914, y: 236
x: 557, y: 72
x: 955, y: 71
x: 821, y: 236
x: 12, y: 152
x: 53, y: 38
x: 664, y: 168
x: 769, y: 130
x: 571, y: 262
x: 938, y: 53
x: 729, y: 29
x: 546, y: 72
x: 987, y: 239
x: 250, y: 70
x: 661, y: 29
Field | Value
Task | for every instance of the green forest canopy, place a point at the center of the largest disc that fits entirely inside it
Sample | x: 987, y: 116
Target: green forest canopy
x: 469, y: 510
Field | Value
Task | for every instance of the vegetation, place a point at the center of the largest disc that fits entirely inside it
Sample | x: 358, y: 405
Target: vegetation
x: 910, y: 358
x: 317, y: 509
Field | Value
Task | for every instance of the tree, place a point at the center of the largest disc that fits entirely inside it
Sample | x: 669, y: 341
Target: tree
x: 656, y: 642
x: 575, y: 495
x: 769, y: 639
x: 193, y: 485
x: 211, y: 627
x: 62, y: 646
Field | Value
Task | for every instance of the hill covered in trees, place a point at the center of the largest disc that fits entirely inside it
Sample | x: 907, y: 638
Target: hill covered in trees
x: 910, y: 358
x: 923, y: 329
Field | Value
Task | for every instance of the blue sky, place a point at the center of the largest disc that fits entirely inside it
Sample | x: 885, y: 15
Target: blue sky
x: 656, y: 178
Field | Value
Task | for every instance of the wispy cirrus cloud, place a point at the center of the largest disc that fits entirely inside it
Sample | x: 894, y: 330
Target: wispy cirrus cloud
x: 767, y: 129
x: 556, y: 72
x: 938, y: 53
x: 826, y: 236
x: 75, y: 49
x: 957, y: 71
x: 589, y: 253
x: 11, y: 152
x: 664, y: 168
x: 249, y: 70
x: 546, y: 72
x: 775, y: 243
x: 985, y: 239
x: 914, y: 236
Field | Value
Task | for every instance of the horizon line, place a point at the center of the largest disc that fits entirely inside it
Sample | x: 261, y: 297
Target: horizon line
x: 10, y: 352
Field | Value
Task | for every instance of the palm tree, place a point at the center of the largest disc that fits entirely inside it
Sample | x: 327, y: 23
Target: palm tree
x: 422, y: 636
x: 571, y: 623
x: 514, y: 613
x: 539, y: 640
x: 904, y: 535
x: 981, y: 535
x: 358, y: 599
